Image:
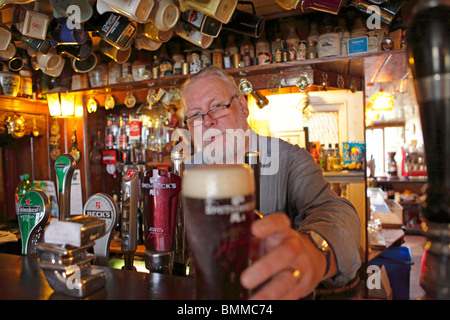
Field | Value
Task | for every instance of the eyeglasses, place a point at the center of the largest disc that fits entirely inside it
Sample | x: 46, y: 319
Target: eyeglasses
x: 215, y: 112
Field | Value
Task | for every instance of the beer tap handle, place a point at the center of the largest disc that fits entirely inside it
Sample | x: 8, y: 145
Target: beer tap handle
x: 64, y: 167
x: 102, y: 206
x: 130, y: 194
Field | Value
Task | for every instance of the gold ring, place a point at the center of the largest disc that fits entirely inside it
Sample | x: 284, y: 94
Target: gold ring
x: 296, y: 274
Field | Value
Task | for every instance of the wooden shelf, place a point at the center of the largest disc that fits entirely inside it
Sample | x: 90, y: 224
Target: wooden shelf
x: 350, y: 67
x: 18, y: 104
x: 344, y: 176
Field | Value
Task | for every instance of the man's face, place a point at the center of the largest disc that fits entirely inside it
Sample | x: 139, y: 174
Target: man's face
x: 203, y: 95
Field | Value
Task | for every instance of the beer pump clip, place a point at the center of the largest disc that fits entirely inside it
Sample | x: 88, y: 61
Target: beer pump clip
x: 64, y: 167
x: 102, y: 206
x: 128, y: 230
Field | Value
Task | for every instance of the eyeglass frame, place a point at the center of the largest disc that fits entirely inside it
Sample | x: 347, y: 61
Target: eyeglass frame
x: 212, y: 109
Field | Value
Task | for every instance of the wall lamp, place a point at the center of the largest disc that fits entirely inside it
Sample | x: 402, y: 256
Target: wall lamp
x: 61, y: 103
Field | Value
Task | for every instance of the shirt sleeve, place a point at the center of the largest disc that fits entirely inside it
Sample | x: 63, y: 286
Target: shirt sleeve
x: 312, y: 205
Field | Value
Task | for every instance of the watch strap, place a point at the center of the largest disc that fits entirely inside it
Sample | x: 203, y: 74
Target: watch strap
x: 324, y: 248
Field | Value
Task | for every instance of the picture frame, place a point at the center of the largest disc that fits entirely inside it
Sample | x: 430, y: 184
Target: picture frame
x: 298, y: 137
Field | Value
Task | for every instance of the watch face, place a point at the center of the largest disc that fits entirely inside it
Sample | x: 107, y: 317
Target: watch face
x: 319, y: 241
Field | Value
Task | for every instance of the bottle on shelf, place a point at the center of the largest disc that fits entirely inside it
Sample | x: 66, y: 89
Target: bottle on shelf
x: 23, y: 187
x: 247, y: 58
x: 313, y: 33
x: 292, y: 40
x: 314, y: 153
x: 155, y: 67
x: 330, y: 153
x: 337, y: 159
x: 231, y: 46
x: 345, y: 36
x: 323, y: 157
x: 276, y: 47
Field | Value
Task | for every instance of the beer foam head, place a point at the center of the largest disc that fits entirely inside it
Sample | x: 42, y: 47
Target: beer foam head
x: 218, y: 181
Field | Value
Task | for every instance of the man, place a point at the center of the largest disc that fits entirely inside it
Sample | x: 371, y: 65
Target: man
x: 311, y: 235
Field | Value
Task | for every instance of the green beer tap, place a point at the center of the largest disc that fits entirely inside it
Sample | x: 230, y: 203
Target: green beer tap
x: 34, y: 212
x: 64, y: 167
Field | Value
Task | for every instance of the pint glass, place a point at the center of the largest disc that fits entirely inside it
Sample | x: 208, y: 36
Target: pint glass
x: 218, y: 202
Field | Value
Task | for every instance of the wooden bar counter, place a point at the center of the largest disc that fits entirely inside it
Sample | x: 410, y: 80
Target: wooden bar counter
x: 22, y: 279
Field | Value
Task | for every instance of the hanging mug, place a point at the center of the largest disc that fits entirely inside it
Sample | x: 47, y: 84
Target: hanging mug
x: 142, y: 42
x: 287, y: 4
x: 79, y: 52
x: 164, y: 14
x: 78, y: 11
x: 149, y: 30
x: 85, y: 65
x: 119, y: 56
x: 190, y: 34
x: 330, y: 6
x: 5, y: 35
x: 138, y: 11
x: 62, y: 32
x: 329, y: 43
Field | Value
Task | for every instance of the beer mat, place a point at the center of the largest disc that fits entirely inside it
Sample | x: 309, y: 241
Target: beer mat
x: 6, y: 236
x: 63, y: 232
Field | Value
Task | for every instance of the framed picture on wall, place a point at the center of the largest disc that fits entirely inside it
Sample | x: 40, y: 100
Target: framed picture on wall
x: 298, y: 137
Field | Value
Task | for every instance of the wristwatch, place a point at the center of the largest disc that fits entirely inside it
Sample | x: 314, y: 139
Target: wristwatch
x: 321, y: 244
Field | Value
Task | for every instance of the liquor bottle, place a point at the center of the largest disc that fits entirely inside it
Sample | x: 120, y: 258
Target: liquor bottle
x: 123, y: 138
x: 231, y: 46
x: 27, y: 79
x: 276, y: 46
x: 155, y: 67
x: 23, y: 187
x: 314, y: 153
x: 323, y: 157
x: 337, y: 159
x: 330, y: 153
x: 111, y: 132
x: 42, y: 46
x: 247, y: 43
x: 292, y: 39
x: 313, y: 33
x: 247, y: 58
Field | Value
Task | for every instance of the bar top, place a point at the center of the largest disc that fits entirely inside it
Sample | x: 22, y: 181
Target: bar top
x: 22, y: 278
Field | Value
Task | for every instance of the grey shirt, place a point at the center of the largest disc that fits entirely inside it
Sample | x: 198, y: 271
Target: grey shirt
x: 292, y: 182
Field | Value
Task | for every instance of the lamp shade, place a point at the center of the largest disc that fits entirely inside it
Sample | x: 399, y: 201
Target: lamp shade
x: 61, y: 103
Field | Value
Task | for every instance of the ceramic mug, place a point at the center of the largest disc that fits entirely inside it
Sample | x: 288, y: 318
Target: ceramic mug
x: 15, y: 63
x: 48, y: 61
x: 62, y: 33
x: 142, y: 42
x: 9, y: 52
x: 190, y: 34
x: 137, y: 10
x: 150, y: 31
x: 86, y: 65
x: 164, y: 14
x: 5, y: 37
x: 119, y: 56
x: 78, y: 11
